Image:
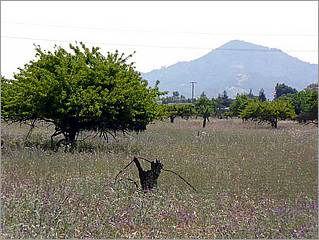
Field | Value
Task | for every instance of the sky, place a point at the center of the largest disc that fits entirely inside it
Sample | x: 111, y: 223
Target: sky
x: 160, y: 32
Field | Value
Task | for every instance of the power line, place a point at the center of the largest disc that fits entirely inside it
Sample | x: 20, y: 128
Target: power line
x: 156, y: 46
x: 102, y: 43
x: 164, y: 31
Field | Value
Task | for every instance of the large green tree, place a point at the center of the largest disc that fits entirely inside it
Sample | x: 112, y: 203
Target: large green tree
x: 80, y: 89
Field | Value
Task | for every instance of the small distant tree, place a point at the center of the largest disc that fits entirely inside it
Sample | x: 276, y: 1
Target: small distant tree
x: 262, y: 96
x: 204, y: 108
x: 278, y: 110
x: 309, y: 107
x: 282, y: 89
x: 203, y: 94
x: 226, y: 101
x: 80, y: 90
x: 221, y: 104
x: 305, y: 105
x: 186, y: 111
x: 178, y: 110
x: 170, y: 111
x: 269, y: 112
x: 174, y: 98
x: 250, y: 94
x: 175, y: 94
x: 312, y: 87
x: 238, y: 105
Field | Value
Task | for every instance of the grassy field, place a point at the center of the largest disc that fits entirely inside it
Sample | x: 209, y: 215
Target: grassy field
x: 252, y: 182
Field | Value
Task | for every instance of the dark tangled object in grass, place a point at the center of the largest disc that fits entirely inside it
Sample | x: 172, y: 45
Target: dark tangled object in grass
x: 148, y: 179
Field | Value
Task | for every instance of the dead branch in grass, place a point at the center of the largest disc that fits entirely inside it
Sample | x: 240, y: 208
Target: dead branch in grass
x: 153, y: 173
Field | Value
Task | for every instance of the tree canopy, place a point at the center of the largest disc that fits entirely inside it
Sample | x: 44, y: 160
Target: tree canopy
x: 268, y: 111
x: 238, y: 105
x: 80, y: 90
x: 261, y: 95
x: 204, y: 108
x: 305, y: 104
x: 282, y: 89
x: 183, y: 110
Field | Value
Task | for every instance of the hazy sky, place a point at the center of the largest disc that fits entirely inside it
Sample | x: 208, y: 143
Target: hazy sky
x: 161, y: 33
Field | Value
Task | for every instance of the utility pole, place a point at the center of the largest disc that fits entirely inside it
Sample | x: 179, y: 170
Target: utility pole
x: 193, y: 87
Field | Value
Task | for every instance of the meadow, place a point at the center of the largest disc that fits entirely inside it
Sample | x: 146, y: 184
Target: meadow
x: 252, y: 181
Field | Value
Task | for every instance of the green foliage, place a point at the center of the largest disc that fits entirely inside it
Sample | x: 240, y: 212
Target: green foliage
x: 282, y: 89
x: 312, y: 87
x: 250, y: 94
x: 268, y: 111
x: 204, y: 108
x: 238, y: 105
x: 305, y: 104
x: 310, y: 106
x: 176, y: 94
x: 281, y: 110
x: 262, y: 96
x: 221, y: 105
x: 223, y: 101
x: 80, y: 90
x: 177, y: 110
x: 175, y: 98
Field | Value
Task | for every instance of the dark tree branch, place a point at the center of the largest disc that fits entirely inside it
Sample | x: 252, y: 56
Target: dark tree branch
x: 129, y: 179
x: 30, y: 130
x: 56, y: 133
x: 313, y: 122
x: 167, y: 170
x: 105, y: 132
x: 88, y: 137
x: 144, y: 159
x: 122, y: 170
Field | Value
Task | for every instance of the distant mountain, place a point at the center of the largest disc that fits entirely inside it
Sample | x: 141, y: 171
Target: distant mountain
x: 236, y: 67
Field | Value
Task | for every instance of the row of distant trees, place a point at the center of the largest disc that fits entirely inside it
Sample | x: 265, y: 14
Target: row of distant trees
x: 80, y: 89
x: 222, y: 99
x: 288, y: 103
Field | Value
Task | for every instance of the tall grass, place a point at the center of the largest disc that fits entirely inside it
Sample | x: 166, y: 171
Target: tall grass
x: 252, y: 182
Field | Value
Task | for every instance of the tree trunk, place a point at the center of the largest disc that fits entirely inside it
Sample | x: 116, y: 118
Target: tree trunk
x: 204, y: 122
x: 70, y: 140
x: 274, y: 122
x: 148, y: 178
x: 172, y: 118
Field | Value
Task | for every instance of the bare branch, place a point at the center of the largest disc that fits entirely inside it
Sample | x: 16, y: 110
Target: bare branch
x: 313, y: 122
x: 131, y: 180
x: 171, y: 172
x: 123, y: 170
x: 30, y: 130
x: 144, y: 159
x: 167, y: 170
x: 113, y: 135
x: 88, y: 137
x: 56, y: 133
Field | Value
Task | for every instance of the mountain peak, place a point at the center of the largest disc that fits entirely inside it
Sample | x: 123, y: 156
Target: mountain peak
x: 236, y: 66
x: 239, y: 44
